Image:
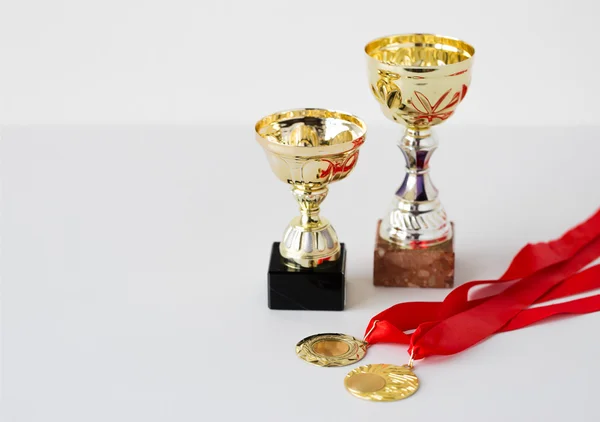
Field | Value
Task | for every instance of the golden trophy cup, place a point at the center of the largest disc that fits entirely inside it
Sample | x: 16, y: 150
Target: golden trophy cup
x: 309, y: 149
x: 419, y: 81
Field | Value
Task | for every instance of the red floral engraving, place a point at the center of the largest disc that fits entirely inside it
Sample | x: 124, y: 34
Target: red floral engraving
x: 437, y: 111
x: 358, y: 142
x: 459, y: 73
x: 336, y: 168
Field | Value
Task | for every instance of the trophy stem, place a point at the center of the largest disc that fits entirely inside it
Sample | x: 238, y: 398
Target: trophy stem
x: 310, y: 205
x: 309, y: 240
x: 417, y: 146
x: 416, y: 218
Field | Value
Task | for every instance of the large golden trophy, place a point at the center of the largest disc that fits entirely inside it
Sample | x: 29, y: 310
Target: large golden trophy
x: 419, y: 81
x: 309, y: 149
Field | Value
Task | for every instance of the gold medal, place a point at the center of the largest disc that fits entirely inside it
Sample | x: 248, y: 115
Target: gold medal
x: 382, y: 382
x: 331, y: 349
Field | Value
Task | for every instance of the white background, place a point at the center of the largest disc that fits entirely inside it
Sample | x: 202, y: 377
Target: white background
x: 135, y: 249
x: 134, y: 277
x: 146, y: 61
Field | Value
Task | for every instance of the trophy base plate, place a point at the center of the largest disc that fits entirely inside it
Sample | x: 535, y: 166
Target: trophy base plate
x: 309, y: 289
x: 397, y: 267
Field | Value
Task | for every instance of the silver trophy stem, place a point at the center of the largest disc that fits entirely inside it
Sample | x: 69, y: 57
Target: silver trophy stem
x: 416, y: 218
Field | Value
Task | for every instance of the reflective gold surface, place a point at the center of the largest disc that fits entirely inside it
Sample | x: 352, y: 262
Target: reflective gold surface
x: 295, y: 133
x: 309, y: 149
x: 365, y: 382
x: 331, y: 349
x: 419, y: 79
x: 381, y: 382
x: 419, y: 50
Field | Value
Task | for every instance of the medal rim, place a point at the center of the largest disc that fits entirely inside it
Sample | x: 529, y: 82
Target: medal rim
x: 356, y: 350
x: 393, y: 390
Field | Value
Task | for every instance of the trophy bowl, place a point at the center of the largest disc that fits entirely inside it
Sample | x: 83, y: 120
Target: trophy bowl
x: 419, y: 80
x: 310, y: 148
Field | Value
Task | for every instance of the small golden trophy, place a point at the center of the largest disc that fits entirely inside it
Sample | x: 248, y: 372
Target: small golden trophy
x: 309, y: 149
x: 419, y: 80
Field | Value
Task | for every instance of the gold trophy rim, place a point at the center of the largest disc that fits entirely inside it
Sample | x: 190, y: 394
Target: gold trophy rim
x: 307, y: 152
x: 468, y: 48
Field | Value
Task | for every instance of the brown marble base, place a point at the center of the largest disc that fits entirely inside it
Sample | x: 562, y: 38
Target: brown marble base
x: 431, y: 267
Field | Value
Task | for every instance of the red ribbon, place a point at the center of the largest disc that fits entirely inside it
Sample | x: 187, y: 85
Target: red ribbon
x: 541, y: 272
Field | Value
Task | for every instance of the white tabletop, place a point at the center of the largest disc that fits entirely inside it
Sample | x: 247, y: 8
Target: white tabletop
x: 134, y: 277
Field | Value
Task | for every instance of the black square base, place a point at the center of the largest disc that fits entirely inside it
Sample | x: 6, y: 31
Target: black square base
x: 315, y: 289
